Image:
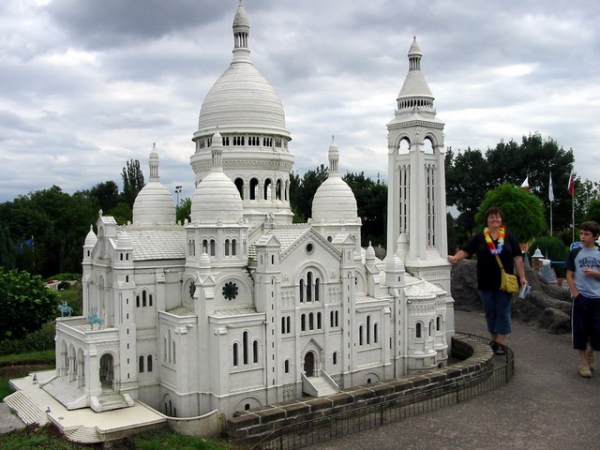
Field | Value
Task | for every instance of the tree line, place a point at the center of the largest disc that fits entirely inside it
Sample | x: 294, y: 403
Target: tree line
x: 58, y: 222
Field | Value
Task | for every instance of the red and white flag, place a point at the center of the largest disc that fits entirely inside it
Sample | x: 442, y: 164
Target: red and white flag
x: 571, y: 186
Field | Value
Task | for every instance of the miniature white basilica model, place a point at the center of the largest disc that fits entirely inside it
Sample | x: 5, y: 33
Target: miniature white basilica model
x: 238, y: 307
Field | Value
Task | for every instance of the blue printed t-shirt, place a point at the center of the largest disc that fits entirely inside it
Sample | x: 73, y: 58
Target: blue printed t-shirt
x: 581, y: 258
x: 488, y: 271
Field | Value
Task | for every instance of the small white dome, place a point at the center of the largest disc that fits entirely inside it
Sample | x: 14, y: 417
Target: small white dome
x: 216, y: 198
x: 334, y: 201
x: 91, y: 238
x: 154, y: 204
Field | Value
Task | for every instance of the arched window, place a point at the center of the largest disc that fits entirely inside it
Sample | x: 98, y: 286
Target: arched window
x: 419, y: 330
x: 245, y: 344
x: 150, y: 300
x: 137, y: 301
x: 235, y: 354
x: 311, y: 324
x: 205, y: 246
x: 141, y: 364
x: 233, y: 247
x: 255, y: 352
x: 301, y: 291
x: 334, y: 358
x: 331, y: 319
x: 239, y: 184
x: 303, y: 322
x: 226, y: 247
x: 174, y: 354
x: 143, y: 298
x: 283, y: 331
x: 212, y: 247
x: 149, y: 364
x: 309, y: 286
x: 375, y: 332
x: 360, y: 335
x: 438, y: 324
x: 318, y: 321
x: 253, y: 188
x: 317, y: 289
x: 368, y: 330
x: 286, y: 366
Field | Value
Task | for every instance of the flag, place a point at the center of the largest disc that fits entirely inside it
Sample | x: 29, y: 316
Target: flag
x: 525, y: 184
x: 28, y: 243
x: 571, y: 186
x: 550, y: 190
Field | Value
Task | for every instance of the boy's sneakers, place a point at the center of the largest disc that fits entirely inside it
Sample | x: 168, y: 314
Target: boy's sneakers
x: 584, y: 371
x: 591, y: 358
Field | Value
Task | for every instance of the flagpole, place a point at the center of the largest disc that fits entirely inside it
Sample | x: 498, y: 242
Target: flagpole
x: 551, y: 218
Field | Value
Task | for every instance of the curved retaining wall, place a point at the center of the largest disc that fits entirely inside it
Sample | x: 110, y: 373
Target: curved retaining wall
x: 476, y: 358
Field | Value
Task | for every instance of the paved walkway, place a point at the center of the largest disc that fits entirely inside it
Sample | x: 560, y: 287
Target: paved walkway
x: 546, y: 406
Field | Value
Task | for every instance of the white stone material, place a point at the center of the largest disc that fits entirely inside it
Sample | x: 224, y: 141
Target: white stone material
x: 238, y: 307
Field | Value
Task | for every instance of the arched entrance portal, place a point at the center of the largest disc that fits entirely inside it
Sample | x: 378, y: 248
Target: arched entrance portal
x: 107, y: 372
x: 309, y: 364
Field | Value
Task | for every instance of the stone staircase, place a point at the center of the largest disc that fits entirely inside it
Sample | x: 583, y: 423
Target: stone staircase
x: 319, y: 387
x: 109, y: 401
x: 27, y: 411
x: 84, y: 435
x: 66, y: 392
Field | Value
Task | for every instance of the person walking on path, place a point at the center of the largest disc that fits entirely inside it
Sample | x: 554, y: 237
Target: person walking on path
x: 583, y: 277
x: 495, y: 241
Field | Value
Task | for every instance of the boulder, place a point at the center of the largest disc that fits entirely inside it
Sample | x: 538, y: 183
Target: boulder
x: 547, y: 306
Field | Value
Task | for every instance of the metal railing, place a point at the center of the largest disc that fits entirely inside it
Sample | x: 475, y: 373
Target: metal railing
x: 393, y: 409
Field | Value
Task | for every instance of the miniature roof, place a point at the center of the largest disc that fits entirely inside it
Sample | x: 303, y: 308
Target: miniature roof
x: 157, y: 244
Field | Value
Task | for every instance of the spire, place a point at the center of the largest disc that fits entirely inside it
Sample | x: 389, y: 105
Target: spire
x: 334, y: 158
x: 217, y: 152
x: 153, y: 163
x: 241, y: 30
x: 415, y: 92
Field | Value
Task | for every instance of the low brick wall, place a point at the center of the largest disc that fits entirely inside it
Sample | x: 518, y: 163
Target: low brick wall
x: 254, y: 424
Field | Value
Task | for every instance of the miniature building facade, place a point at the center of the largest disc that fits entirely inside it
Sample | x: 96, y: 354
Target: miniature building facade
x: 239, y: 307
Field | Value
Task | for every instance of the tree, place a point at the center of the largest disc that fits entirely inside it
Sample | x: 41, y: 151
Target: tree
x: 302, y: 192
x: 371, y: 203
x: 105, y: 194
x: 184, y: 210
x: 27, y: 303
x: 133, y: 181
x: 524, y: 212
x: 7, y: 249
x: 467, y: 180
x: 593, y: 211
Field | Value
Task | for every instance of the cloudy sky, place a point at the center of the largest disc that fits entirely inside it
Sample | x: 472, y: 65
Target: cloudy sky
x: 86, y: 85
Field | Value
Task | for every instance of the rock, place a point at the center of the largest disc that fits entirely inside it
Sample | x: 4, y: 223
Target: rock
x: 546, y: 306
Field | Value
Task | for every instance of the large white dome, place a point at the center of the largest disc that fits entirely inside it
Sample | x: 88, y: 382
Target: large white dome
x: 242, y: 100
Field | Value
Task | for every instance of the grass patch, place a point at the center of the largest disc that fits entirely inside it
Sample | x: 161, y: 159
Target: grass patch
x: 164, y: 438
x: 49, y: 438
x: 42, y: 356
x: 34, y: 437
x: 18, y: 366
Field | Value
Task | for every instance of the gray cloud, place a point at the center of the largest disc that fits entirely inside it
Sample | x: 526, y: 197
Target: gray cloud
x: 87, y: 85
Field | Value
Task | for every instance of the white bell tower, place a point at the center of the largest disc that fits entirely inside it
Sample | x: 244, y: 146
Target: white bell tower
x: 417, y: 184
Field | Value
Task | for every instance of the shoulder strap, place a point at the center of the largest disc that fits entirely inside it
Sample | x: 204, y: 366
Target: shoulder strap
x: 499, y: 262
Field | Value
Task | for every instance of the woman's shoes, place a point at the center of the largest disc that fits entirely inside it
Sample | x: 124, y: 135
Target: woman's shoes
x: 498, y: 349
